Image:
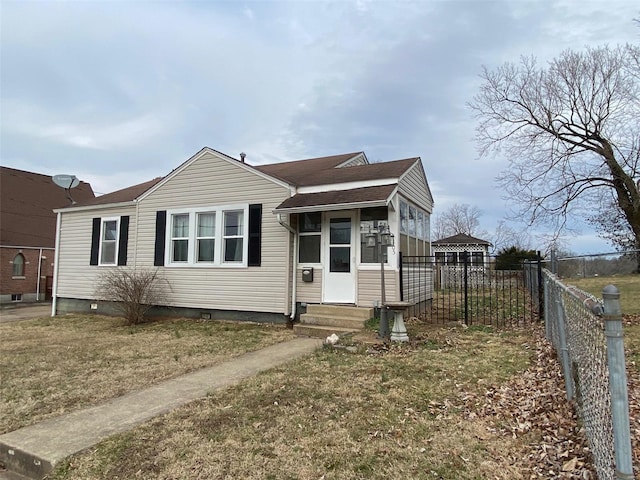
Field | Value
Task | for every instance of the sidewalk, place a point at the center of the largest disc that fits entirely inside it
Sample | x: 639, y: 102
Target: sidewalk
x: 34, y: 450
x: 24, y: 311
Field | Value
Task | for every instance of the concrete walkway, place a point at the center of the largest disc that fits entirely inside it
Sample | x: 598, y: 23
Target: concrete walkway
x: 24, y: 311
x: 34, y: 450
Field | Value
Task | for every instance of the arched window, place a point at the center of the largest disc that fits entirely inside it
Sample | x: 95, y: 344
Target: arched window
x: 18, y: 265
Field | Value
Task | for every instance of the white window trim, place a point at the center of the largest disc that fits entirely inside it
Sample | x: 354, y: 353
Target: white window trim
x: 320, y: 233
x: 219, y: 238
x: 205, y: 237
x: 103, y: 220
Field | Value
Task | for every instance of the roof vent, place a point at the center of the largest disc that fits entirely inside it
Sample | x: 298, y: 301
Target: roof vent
x: 242, y: 156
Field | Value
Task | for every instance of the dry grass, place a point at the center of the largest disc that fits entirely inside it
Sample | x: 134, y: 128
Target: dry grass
x: 381, y: 412
x: 50, y: 366
x: 628, y: 285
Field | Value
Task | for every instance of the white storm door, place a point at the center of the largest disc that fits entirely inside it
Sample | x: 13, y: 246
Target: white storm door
x: 339, y: 285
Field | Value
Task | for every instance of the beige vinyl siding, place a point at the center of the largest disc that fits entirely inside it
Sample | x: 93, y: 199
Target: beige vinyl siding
x: 76, y: 278
x: 309, y: 292
x: 413, y: 186
x: 369, y: 286
x: 358, y: 160
x: 211, y: 181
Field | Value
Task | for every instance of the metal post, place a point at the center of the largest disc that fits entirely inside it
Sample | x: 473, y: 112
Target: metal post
x: 554, y: 262
x: 547, y: 318
x: 384, y: 319
x: 465, y: 260
x: 564, y: 350
x: 617, y: 382
x: 540, y: 287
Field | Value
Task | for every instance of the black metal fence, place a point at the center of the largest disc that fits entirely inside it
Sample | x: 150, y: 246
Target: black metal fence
x: 470, y: 291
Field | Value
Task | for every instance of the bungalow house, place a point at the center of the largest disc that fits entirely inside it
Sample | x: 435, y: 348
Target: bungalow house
x: 250, y: 242
x: 27, y: 232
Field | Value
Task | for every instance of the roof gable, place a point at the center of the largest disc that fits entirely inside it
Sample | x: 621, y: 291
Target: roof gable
x: 218, y: 155
x: 27, y: 201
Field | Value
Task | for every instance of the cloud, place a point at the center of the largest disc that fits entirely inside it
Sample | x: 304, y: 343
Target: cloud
x: 121, y: 92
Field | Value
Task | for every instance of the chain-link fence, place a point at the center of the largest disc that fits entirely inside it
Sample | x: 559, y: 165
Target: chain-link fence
x: 601, y: 264
x: 587, y: 336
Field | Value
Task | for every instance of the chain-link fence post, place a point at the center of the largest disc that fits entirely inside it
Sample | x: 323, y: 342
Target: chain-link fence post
x: 617, y: 382
x: 547, y: 300
x: 564, y: 349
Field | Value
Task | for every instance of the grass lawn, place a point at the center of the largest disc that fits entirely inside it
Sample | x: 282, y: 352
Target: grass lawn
x: 50, y: 366
x: 404, y: 411
x: 628, y: 285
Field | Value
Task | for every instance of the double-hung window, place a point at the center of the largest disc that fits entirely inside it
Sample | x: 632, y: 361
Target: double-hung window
x: 208, y: 236
x: 109, y: 241
x: 233, y: 236
x: 309, y: 227
x: 180, y: 238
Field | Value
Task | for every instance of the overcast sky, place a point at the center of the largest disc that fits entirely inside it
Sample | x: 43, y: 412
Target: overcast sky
x: 119, y: 92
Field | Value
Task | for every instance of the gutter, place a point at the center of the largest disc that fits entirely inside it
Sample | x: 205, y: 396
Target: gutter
x: 56, y: 265
x: 294, y: 269
x: 97, y: 206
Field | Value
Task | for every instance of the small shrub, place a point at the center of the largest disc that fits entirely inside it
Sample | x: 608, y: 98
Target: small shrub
x: 133, y: 291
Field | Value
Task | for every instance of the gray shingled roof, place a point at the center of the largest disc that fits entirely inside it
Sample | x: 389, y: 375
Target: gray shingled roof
x: 322, y: 171
x: 337, y: 197
x: 310, y: 172
x: 119, y: 196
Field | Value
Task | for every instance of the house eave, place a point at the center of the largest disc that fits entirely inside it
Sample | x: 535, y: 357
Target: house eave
x: 95, y: 207
x: 332, y: 207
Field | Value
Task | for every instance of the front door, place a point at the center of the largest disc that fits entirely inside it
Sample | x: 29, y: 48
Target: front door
x: 339, y: 284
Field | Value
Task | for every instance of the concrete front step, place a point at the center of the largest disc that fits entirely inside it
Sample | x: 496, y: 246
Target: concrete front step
x: 23, y: 464
x: 363, y: 313
x: 331, y: 321
x: 320, y: 331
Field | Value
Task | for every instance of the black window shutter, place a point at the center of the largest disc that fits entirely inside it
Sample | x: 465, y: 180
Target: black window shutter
x: 161, y: 228
x: 123, y: 240
x: 95, y: 241
x: 255, y: 235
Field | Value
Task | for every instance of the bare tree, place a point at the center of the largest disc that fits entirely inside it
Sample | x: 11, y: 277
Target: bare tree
x: 459, y: 218
x: 505, y: 236
x: 133, y: 291
x: 569, y: 131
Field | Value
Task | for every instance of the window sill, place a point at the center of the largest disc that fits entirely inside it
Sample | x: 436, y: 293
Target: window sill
x: 18, y: 278
x: 220, y: 266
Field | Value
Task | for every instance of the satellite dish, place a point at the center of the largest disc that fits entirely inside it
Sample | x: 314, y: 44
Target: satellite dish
x: 67, y: 182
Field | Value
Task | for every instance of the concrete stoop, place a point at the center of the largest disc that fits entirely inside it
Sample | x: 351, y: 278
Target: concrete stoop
x: 321, y: 321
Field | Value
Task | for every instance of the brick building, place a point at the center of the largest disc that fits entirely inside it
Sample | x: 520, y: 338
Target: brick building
x: 27, y: 232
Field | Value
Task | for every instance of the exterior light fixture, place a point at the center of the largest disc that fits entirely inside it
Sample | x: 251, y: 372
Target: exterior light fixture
x: 371, y: 239
x: 386, y: 239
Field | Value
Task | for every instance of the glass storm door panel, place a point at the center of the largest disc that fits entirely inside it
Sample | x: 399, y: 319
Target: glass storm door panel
x: 339, y: 267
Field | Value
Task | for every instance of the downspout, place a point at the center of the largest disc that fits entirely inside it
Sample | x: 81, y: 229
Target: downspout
x: 39, y: 274
x: 56, y: 266
x: 294, y: 280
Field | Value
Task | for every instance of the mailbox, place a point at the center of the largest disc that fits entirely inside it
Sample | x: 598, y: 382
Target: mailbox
x: 307, y: 274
